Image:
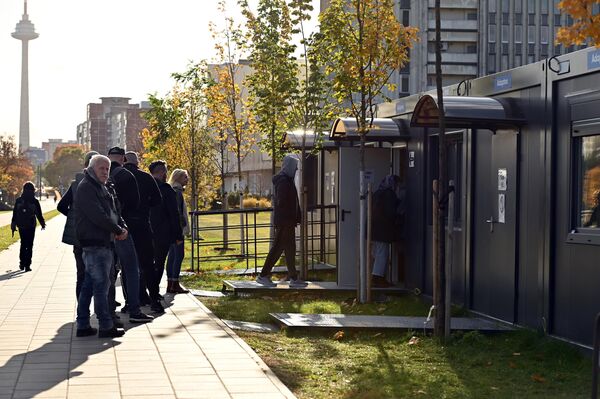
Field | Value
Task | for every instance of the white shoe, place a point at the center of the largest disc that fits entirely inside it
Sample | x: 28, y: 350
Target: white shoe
x: 297, y: 283
x: 266, y: 281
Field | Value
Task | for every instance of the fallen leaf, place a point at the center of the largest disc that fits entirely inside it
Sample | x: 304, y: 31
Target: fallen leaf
x: 516, y: 354
x: 421, y: 392
x: 538, y: 378
x: 413, y: 341
x: 338, y: 335
x: 512, y: 365
x: 494, y: 388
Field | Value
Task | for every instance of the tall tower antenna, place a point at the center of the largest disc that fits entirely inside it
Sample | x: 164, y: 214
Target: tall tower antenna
x: 25, y: 31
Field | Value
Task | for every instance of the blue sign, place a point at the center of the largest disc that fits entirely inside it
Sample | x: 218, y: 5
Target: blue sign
x: 594, y: 59
x: 503, y: 82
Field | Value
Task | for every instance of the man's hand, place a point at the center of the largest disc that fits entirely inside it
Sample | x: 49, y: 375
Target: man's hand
x: 123, y: 235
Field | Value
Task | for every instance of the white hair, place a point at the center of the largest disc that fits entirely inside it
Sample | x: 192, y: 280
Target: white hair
x: 97, y: 159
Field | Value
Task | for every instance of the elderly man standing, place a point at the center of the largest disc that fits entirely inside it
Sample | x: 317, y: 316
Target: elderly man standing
x: 98, y: 224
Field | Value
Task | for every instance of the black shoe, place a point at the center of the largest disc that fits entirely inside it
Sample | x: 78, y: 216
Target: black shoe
x: 86, y: 332
x: 112, y: 333
x: 125, y: 309
x: 27, y: 268
x: 157, y: 307
x: 160, y: 297
x: 21, y: 267
x: 140, y: 318
x: 118, y: 323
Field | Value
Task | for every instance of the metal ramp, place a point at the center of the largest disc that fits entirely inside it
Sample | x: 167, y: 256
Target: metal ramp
x: 299, y: 320
x: 239, y: 286
x: 276, y: 269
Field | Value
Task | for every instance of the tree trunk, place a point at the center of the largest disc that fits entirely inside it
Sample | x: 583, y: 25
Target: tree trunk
x: 440, y: 276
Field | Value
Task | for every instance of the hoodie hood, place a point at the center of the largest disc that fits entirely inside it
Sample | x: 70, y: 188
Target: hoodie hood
x: 28, y: 195
x: 90, y: 172
x: 289, y: 166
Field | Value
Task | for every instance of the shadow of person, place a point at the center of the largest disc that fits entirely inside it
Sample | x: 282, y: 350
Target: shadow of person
x: 50, y: 365
x: 11, y: 274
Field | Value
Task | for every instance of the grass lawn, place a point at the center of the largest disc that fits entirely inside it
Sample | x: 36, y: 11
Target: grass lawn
x: 385, y: 364
x: 6, y: 238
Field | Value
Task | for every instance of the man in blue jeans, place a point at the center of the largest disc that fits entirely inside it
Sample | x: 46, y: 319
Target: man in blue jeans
x: 97, y: 225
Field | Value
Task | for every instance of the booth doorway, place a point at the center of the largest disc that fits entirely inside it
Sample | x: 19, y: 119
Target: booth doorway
x: 494, y: 235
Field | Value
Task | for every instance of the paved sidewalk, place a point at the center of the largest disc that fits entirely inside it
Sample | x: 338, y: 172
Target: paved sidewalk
x: 186, y: 353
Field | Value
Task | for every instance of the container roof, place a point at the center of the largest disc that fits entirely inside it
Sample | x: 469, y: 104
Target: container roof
x: 380, y: 129
x: 468, y: 112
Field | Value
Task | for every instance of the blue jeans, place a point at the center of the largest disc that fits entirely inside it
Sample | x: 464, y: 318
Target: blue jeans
x: 380, y: 251
x: 130, y: 268
x: 176, y: 254
x: 98, y: 262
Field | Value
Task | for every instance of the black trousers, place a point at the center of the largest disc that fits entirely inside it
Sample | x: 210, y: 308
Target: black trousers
x: 285, y: 242
x: 78, y: 253
x: 141, y: 232
x: 161, y: 251
x: 27, y: 237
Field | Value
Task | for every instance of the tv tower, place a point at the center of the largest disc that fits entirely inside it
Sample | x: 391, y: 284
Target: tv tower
x: 25, y: 31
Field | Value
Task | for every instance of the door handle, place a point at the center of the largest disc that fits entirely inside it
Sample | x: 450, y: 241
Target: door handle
x: 344, y: 212
x: 491, y: 221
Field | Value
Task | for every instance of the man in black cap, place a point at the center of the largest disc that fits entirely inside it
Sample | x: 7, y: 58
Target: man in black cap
x: 138, y: 221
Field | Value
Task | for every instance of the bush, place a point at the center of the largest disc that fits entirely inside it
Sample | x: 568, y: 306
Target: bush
x: 264, y: 203
x: 250, y: 202
x: 233, y: 200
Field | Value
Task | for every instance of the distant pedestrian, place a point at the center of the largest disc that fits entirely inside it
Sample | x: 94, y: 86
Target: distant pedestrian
x: 166, y: 226
x: 65, y: 206
x: 138, y: 220
x: 178, y: 180
x: 286, y: 215
x: 97, y: 225
x: 27, y: 209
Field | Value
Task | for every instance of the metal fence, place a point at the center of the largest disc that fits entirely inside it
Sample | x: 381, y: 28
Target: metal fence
x: 244, y: 236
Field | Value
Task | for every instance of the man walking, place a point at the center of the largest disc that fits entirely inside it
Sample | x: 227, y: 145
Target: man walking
x: 165, y: 221
x: 98, y: 224
x: 286, y: 215
x: 27, y: 209
x: 138, y: 221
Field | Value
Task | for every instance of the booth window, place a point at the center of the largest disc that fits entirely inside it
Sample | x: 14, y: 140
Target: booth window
x: 587, y: 195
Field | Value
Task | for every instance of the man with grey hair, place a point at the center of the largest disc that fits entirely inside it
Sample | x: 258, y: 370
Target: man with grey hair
x: 98, y: 224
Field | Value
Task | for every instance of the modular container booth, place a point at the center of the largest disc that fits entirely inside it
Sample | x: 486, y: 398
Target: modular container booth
x: 524, y: 153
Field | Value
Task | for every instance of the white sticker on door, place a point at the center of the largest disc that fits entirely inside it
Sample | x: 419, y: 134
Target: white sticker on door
x: 501, y: 208
x: 502, y: 179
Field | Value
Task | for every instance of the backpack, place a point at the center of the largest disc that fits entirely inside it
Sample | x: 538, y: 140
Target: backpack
x: 25, y: 215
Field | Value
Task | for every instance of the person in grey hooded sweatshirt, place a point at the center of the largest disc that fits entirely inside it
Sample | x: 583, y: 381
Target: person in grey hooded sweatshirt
x: 286, y: 215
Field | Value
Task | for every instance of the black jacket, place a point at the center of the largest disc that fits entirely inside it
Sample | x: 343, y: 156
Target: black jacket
x: 165, y: 217
x: 97, y: 218
x: 286, y: 209
x: 385, y: 225
x: 65, y: 206
x: 150, y: 195
x: 127, y: 188
x: 28, y: 197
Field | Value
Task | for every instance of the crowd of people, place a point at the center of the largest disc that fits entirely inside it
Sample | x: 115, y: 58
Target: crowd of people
x: 121, y: 218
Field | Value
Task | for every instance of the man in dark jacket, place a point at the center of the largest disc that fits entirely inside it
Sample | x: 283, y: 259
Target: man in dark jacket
x: 65, y: 206
x: 98, y: 224
x: 286, y: 215
x: 27, y: 209
x: 138, y: 221
x: 164, y: 219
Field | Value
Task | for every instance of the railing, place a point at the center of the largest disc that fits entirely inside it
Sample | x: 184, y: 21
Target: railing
x: 214, y: 240
x: 595, y: 358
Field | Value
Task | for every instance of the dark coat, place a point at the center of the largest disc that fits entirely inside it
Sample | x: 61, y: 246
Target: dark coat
x: 97, y: 218
x: 65, y: 206
x: 385, y: 226
x: 164, y: 218
x: 150, y: 195
x: 28, y: 198
x: 126, y: 187
x: 286, y: 209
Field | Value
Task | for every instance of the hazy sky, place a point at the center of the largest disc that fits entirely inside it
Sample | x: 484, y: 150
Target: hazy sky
x: 97, y: 48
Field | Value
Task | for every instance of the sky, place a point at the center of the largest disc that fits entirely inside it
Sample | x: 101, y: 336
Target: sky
x: 89, y: 49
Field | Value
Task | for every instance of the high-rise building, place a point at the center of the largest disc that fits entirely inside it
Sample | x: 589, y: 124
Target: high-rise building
x: 25, y: 31
x: 113, y: 122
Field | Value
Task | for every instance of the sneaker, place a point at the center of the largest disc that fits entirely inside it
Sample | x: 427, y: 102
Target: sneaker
x: 297, y: 283
x: 140, y: 318
x: 27, y: 268
x: 112, y: 333
x: 86, y: 332
x: 125, y: 309
x: 157, y: 307
x: 266, y: 281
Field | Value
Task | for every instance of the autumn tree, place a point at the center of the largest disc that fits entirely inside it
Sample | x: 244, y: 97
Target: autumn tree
x: 15, y: 168
x: 67, y: 160
x: 586, y: 22
x: 361, y: 44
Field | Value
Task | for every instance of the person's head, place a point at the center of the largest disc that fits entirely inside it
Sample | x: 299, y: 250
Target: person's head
x: 132, y: 158
x: 158, y: 170
x: 100, y: 165
x: 116, y: 154
x: 179, y: 176
x: 289, y: 165
x: 28, y: 186
x: 87, y: 157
